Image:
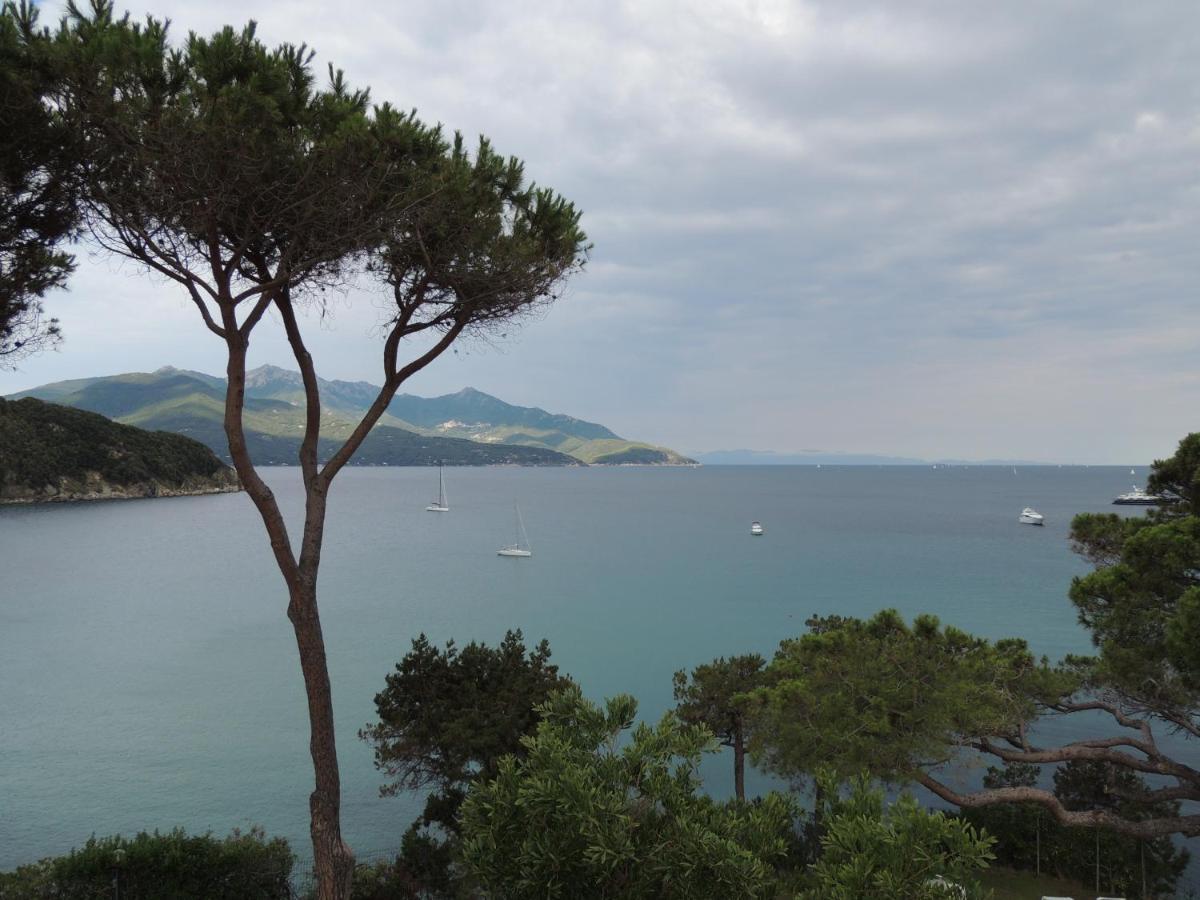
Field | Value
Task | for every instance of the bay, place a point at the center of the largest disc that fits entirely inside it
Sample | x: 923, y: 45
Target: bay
x: 148, y: 674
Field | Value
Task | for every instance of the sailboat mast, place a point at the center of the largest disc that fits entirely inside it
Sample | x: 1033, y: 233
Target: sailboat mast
x: 522, y: 537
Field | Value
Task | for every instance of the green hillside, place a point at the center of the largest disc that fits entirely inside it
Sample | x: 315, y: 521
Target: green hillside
x: 49, y: 451
x: 597, y: 451
x: 465, y: 428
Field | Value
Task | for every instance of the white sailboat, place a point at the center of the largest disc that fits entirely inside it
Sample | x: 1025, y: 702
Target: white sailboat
x: 440, y: 504
x: 520, y: 547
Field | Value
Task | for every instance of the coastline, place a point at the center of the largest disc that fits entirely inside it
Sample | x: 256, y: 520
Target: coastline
x: 92, y: 488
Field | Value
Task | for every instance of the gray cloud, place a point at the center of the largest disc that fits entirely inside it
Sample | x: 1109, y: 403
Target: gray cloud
x: 937, y: 229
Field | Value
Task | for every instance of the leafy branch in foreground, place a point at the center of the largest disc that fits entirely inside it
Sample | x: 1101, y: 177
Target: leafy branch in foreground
x: 585, y: 814
x: 872, y: 850
x: 39, y: 203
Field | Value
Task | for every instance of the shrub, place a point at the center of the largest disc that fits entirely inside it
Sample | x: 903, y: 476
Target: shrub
x: 172, y: 866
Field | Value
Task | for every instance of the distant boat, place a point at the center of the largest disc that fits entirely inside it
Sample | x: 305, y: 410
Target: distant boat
x: 1030, y: 516
x: 440, y: 504
x: 521, y: 546
x: 756, y: 529
x: 1131, y: 472
x: 1138, y: 497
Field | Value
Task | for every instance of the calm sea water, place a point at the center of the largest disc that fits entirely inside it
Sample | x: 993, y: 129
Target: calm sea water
x: 148, y: 675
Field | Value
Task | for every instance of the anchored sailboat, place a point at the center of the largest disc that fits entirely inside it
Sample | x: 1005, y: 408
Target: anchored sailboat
x: 440, y: 504
x: 521, y: 547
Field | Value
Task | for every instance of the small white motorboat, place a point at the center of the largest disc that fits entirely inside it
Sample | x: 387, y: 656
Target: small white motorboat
x: 1030, y: 516
x: 756, y: 529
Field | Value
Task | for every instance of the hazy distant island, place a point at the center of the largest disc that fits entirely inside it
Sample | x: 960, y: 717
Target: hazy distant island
x: 54, y: 453
x: 468, y: 428
x: 831, y: 458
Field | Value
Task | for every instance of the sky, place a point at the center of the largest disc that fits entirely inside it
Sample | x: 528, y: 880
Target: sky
x: 929, y: 229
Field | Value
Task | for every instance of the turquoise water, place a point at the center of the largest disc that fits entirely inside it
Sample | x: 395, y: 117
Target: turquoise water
x: 148, y: 675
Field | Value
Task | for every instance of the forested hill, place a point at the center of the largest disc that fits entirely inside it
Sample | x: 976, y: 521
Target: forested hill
x: 51, y: 452
x: 465, y: 428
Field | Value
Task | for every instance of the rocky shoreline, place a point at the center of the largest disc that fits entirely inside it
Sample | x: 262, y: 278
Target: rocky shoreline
x: 93, y: 487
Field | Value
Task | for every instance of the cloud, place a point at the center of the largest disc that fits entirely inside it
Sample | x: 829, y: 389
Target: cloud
x: 901, y: 228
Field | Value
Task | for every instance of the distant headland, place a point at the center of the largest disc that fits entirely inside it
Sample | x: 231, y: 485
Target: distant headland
x: 51, y: 453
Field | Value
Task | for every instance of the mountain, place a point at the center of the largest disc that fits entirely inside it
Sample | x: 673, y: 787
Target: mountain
x: 52, y: 452
x: 481, y: 417
x: 466, y: 428
x: 470, y: 414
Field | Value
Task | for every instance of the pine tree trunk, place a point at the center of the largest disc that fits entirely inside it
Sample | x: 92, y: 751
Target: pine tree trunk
x: 739, y: 763
x: 333, y: 861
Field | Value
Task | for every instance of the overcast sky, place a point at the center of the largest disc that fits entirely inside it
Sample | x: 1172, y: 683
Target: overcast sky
x: 929, y: 229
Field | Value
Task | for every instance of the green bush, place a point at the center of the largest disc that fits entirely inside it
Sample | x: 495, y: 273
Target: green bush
x: 586, y: 813
x: 873, y: 850
x: 172, y: 866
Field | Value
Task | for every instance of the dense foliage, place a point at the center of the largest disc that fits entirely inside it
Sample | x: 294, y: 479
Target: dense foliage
x: 1178, y: 476
x: 875, y: 851
x: 1142, y: 604
x: 38, y: 189
x: 446, y: 718
x: 585, y: 814
x: 448, y: 715
x: 172, y: 866
x: 715, y: 696
x: 41, y: 443
x: 1027, y: 838
x: 886, y: 698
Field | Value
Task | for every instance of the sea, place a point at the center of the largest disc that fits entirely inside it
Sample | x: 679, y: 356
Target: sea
x: 149, y: 676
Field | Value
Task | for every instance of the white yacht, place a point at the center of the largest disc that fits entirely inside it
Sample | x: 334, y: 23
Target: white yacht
x: 1030, y: 516
x: 756, y: 529
x: 1138, y: 497
x: 439, y: 505
x: 521, y: 546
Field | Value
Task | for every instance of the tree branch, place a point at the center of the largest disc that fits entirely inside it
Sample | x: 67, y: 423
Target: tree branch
x: 1101, y: 750
x: 204, y: 310
x: 1122, y: 719
x: 1094, y: 818
x: 263, y: 303
x: 390, y: 386
x: 264, y: 499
